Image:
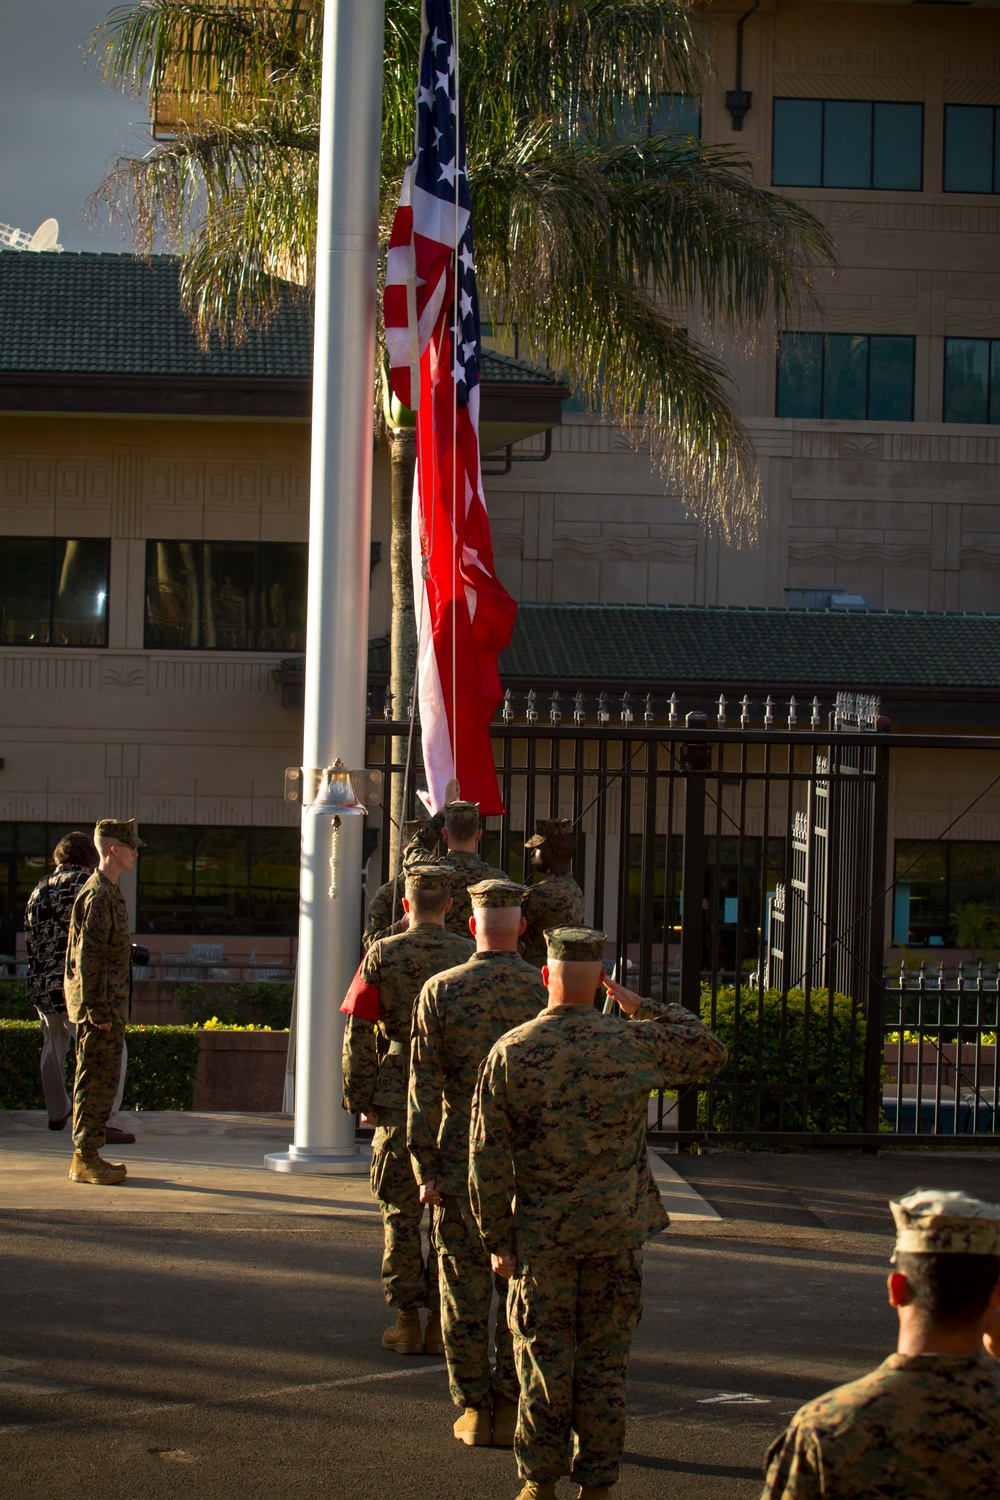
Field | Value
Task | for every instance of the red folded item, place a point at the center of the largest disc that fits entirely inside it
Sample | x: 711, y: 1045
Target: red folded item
x: 362, y: 1000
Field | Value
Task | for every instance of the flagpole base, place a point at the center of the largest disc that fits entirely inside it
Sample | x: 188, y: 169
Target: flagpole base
x: 317, y: 1163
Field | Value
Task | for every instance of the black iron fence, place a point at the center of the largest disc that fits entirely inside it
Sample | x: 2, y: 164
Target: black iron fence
x: 738, y: 862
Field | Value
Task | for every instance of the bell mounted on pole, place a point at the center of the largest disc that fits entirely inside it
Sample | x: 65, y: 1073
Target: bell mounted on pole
x: 337, y: 795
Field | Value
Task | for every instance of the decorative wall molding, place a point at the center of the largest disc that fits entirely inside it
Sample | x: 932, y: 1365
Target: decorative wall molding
x: 898, y: 447
x: 909, y: 216
x: 214, y: 675
x: 125, y: 674
x: 211, y: 485
x: 28, y: 480
x: 624, y: 549
x: 126, y: 496
x: 23, y: 807
x: 896, y: 555
x: 50, y: 672
x: 980, y: 558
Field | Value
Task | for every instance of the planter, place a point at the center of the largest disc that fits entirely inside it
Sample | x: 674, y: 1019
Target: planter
x: 240, y: 1071
x: 929, y: 1059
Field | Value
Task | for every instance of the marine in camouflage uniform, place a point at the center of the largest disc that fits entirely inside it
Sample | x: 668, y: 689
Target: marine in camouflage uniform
x: 557, y: 900
x: 459, y: 821
x: 385, y: 910
x: 558, y: 1182
x: 459, y: 1016
x: 376, y: 1067
x: 46, y: 931
x: 98, y: 956
x: 923, y: 1426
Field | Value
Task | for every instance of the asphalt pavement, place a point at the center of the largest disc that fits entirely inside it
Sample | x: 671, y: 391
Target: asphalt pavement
x: 228, y: 1344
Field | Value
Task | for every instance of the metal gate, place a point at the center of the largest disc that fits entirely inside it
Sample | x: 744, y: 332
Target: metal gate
x: 739, y: 864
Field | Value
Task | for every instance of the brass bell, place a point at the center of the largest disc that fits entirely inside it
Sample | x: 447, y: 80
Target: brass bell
x: 337, y: 794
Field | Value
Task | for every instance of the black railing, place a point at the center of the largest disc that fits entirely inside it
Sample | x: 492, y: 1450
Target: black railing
x: 739, y: 865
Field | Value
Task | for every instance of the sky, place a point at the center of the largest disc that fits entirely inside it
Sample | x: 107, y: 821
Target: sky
x: 61, y: 127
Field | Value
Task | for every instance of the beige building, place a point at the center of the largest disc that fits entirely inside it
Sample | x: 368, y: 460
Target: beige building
x: 153, y: 505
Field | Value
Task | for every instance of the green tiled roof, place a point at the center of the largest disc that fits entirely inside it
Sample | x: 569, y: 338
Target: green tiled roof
x: 85, y: 313
x: 579, y: 643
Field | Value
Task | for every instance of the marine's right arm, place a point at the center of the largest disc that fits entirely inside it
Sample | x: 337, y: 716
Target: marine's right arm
x: 679, y: 1045
x: 360, y: 1058
x: 794, y: 1466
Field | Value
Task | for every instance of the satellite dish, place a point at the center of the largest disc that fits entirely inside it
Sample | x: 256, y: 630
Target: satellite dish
x: 45, y: 237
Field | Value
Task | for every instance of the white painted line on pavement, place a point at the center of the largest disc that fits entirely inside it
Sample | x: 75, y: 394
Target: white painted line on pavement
x: 329, y: 1385
x: 678, y: 1197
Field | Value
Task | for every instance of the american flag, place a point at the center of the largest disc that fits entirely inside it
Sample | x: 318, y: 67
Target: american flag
x: 464, y: 615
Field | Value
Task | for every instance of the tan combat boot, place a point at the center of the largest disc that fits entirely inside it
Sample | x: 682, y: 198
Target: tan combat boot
x: 433, y: 1337
x: 406, y: 1336
x: 538, y: 1489
x: 474, y: 1427
x: 504, y: 1422
x: 96, y: 1169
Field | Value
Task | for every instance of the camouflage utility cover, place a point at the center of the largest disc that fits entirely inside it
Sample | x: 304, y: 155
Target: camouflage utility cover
x: 46, y: 933
x: 121, y: 830
x: 932, y: 1222
x: 466, y: 869
x: 559, y: 1119
x: 375, y: 1073
x: 556, y: 901
x: 98, y: 954
x: 920, y: 1427
x: 459, y: 1015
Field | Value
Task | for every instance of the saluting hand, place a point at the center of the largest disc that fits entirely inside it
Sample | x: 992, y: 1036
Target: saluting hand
x: 451, y: 791
x: 628, y: 1000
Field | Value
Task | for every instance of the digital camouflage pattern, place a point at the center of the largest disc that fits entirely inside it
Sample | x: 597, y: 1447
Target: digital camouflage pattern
x: 559, y: 1118
x: 459, y: 1015
x: 95, y: 1087
x: 556, y: 901
x: 932, y: 1222
x: 467, y: 869
x: 572, y: 1318
x: 98, y: 953
x: 920, y: 1427
x: 376, y: 1058
x: 46, y: 934
x: 466, y: 1286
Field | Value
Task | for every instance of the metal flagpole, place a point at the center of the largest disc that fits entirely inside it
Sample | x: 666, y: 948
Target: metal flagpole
x: 339, y: 539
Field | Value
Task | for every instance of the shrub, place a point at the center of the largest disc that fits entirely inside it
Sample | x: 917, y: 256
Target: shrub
x: 776, y: 1066
x: 262, y: 1004
x: 162, y: 1063
x: 14, y: 999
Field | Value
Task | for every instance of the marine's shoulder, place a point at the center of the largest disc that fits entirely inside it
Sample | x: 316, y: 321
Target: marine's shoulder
x: 96, y: 888
x: 897, y: 1387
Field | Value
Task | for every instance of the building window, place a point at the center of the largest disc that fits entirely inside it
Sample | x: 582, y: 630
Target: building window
x: 225, y: 596
x: 219, y: 880
x: 54, y: 591
x: 848, y: 143
x: 670, y: 114
x: 850, y: 376
x: 939, y: 886
x: 972, y: 380
x: 25, y: 858
x: 971, y: 148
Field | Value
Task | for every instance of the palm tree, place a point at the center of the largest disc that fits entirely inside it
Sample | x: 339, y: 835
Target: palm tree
x: 601, y: 241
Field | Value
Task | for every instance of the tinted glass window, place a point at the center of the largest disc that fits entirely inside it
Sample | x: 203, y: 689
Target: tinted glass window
x: 219, y: 880
x: 898, y: 147
x: 54, y: 591
x: 970, y: 148
x: 939, y: 887
x: 850, y: 377
x: 890, y: 379
x: 847, y: 143
x: 800, y: 375
x: 671, y: 113
x: 972, y: 380
x: 798, y: 142
x: 225, y: 596
x: 25, y: 857
x: 845, y: 377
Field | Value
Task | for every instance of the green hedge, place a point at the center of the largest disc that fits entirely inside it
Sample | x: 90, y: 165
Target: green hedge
x: 771, y: 1051
x: 162, y: 1062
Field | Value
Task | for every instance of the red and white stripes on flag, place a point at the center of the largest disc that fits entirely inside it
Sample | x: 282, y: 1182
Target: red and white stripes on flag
x: 464, y: 615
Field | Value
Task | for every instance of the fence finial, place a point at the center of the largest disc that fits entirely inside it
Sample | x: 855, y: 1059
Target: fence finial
x: 721, y: 711
x: 744, y: 711
x: 649, y: 716
x: 603, y: 717
x: 555, y: 712
x: 531, y: 712
x: 769, y: 713
x: 626, y: 708
x: 792, y: 705
x: 579, y: 712
x: 672, y: 721
x: 387, y: 706
x: 508, y: 707
x: 814, y: 722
